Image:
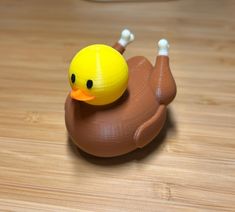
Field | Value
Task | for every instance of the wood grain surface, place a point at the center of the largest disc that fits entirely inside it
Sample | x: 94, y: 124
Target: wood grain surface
x: 190, y: 166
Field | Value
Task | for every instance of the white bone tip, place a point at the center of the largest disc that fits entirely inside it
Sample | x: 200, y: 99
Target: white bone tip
x: 126, y: 33
x: 126, y: 37
x: 163, y: 47
x: 163, y: 43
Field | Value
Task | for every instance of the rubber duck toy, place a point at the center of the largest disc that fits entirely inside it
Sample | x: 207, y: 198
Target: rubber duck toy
x: 116, y: 106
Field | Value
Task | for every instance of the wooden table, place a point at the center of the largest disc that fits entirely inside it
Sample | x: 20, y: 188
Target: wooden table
x: 189, y: 167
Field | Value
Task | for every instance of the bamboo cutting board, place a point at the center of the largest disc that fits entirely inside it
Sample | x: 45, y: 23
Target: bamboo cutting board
x: 190, y: 166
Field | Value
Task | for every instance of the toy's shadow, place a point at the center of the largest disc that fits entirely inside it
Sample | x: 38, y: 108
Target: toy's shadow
x: 137, y: 154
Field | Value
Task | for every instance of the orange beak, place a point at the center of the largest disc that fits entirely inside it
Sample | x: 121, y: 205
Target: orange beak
x: 80, y: 95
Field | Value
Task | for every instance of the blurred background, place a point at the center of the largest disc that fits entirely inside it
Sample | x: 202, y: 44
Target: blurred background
x: 191, y: 166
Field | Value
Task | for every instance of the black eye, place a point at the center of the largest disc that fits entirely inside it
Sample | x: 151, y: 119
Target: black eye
x: 73, y: 78
x: 89, y: 84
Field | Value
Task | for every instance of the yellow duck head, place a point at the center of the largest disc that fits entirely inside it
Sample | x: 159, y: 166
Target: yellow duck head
x: 98, y: 75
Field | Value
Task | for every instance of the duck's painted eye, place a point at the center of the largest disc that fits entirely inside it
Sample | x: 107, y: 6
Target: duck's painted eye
x: 73, y: 78
x: 89, y: 84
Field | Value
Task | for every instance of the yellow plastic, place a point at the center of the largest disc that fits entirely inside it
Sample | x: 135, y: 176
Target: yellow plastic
x: 107, y: 69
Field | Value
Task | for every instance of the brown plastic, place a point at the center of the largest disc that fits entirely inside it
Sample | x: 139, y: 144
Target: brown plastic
x: 132, y: 121
x: 119, y: 47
